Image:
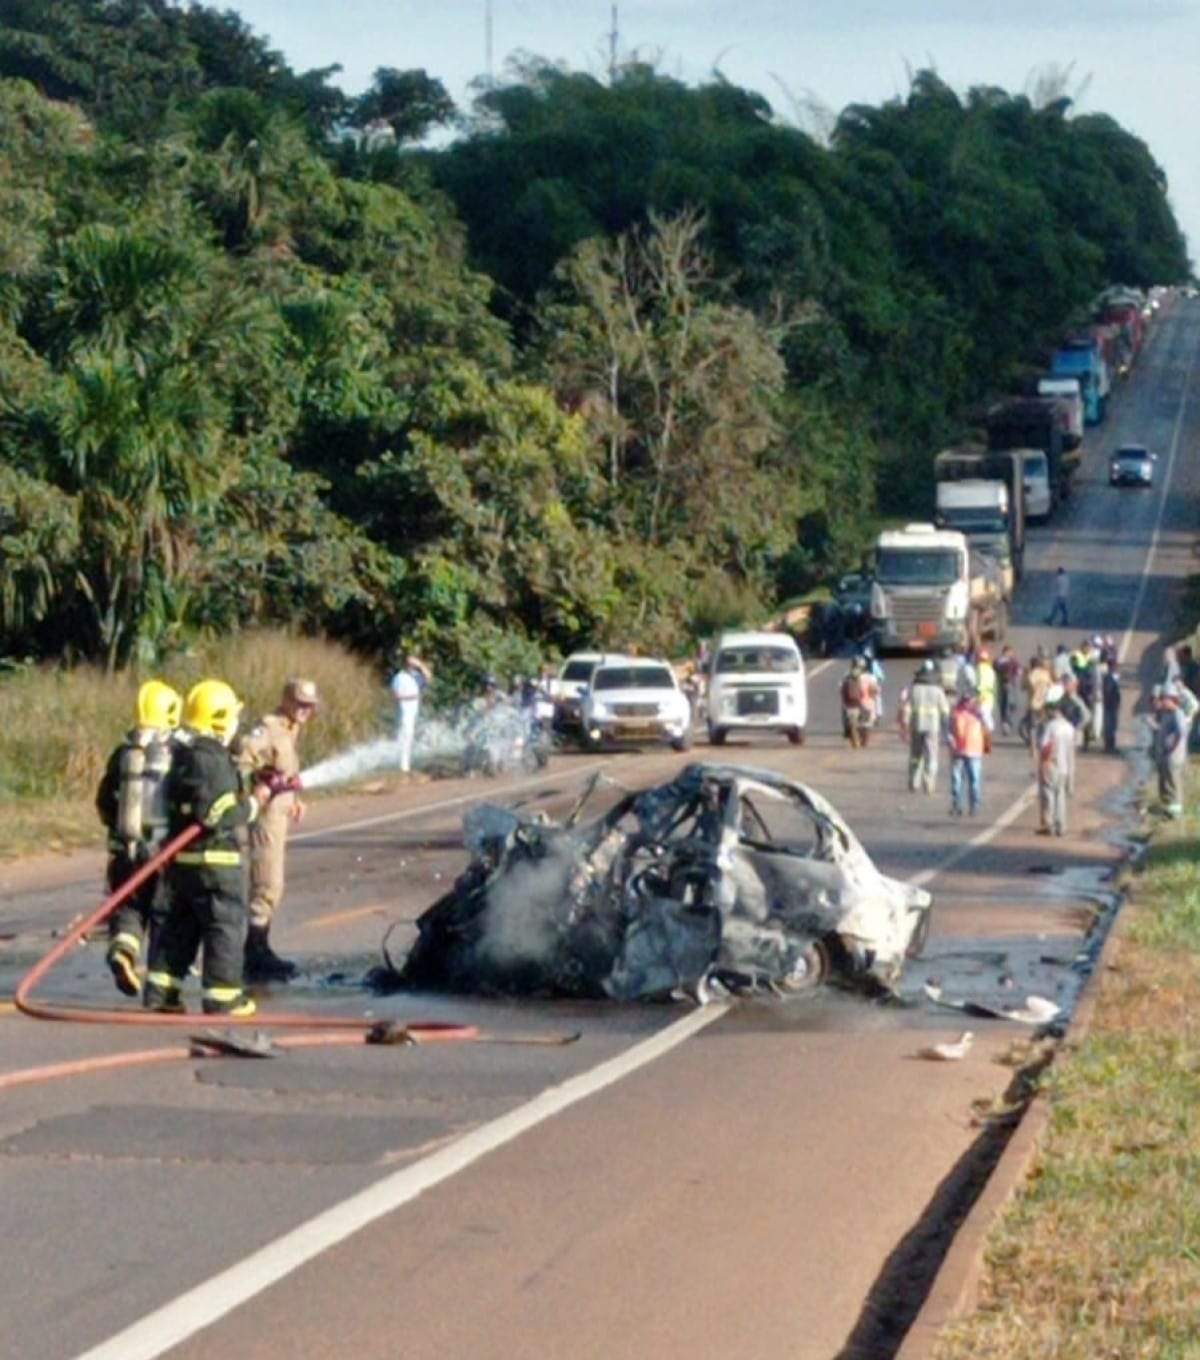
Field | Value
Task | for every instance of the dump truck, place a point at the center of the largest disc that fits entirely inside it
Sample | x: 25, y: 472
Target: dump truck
x: 932, y: 591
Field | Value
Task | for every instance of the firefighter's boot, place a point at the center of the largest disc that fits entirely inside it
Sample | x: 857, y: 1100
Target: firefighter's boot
x: 262, y: 962
x: 230, y: 1001
x: 122, y: 963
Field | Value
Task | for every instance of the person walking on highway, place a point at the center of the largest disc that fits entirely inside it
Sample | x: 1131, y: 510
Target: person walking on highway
x: 969, y: 732
x: 270, y: 754
x: 986, y: 683
x: 1060, y: 609
x: 1056, y: 770
x: 1038, y: 679
x: 924, y: 712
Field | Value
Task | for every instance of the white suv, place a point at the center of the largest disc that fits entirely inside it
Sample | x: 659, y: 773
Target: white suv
x: 635, y: 699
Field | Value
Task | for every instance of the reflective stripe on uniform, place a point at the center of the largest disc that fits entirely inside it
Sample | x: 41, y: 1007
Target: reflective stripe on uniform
x: 124, y: 940
x: 221, y: 858
x: 220, y: 807
x: 222, y: 995
x: 164, y: 981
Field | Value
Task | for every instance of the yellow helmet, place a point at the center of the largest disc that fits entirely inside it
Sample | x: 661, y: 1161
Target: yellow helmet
x: 212, y: 709
x: 158, y: 705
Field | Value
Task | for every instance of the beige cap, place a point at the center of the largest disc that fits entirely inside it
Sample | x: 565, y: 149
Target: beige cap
x: 302, y: 692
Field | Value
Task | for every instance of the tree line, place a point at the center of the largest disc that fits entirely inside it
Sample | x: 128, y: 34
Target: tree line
x: 620, y: 361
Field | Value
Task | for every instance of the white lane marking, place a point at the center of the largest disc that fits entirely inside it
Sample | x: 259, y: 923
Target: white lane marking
x: 1127, y: 639
x: 200, y: 1307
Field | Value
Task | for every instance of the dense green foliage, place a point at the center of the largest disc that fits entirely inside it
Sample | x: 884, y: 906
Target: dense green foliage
x: 613, y: 366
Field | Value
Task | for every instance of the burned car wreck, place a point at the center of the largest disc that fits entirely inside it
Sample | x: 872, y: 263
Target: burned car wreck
x: 726, y: 878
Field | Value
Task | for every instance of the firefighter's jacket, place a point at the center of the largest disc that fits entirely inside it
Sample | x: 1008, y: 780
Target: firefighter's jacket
x: 271, y: 748
x: 204, y: 786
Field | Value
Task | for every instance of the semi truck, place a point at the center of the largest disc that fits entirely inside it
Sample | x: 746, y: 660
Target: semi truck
x: 1083, y: 356
x: 1067, y: 391
x: 1036, y: 423
x: 931, y: 591
x: 981, y: 511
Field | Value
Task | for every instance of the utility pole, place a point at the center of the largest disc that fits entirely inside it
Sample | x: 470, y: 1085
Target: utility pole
x: 612, y: 47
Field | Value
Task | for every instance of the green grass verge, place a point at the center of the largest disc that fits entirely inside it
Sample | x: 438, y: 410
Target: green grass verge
x: 1098, y: 1256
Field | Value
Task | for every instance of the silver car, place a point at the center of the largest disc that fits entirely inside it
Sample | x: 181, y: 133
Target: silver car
x: 1132, y: 465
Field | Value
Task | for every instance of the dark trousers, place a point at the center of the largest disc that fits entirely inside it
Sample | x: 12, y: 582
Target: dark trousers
x: 144, y: 909
x: 206, y: 908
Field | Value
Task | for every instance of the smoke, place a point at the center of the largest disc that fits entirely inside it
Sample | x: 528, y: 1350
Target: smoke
x: 496, y: 741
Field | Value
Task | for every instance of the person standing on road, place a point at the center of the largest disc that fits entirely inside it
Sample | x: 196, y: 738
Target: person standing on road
x: 269, y: 754
x: 408, y: 687
x: 1056, y: 771
x: 985, y: 684
x: 924, y: 712
x: 852, y: 697
x: 131, y: 802
x: 1169, y: 747
x: 206, y: 885
x: 970, y: 738
x: 1110, y: 689
x: 1038, y: 679
x: 1008, y: 680
x: 1060, y: 609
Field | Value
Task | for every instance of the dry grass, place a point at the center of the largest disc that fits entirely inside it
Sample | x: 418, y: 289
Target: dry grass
x: 1099, y: 1255
x: 57, y: 727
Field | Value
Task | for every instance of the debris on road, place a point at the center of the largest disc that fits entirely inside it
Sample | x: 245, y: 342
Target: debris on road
x: 1037, y: 1010
x: 949, y: 1052
x: 724, y: 879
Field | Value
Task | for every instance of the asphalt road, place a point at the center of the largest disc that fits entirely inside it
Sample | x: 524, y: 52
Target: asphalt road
x: 760, y: 1179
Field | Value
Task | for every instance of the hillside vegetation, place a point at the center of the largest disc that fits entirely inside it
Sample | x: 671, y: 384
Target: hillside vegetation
x: 620, y: 362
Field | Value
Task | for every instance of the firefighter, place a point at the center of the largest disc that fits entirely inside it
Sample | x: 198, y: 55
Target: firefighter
x: 269, y: 755
x: 206, y: 886
x: 131, y: 803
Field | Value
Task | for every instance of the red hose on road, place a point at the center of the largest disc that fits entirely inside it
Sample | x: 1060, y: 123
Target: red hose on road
x: 97, y: 1016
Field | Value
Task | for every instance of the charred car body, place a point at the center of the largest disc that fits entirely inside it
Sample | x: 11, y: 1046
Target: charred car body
x: 726, y: 875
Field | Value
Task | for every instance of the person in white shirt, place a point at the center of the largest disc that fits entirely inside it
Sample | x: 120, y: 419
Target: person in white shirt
x: 408, y: 685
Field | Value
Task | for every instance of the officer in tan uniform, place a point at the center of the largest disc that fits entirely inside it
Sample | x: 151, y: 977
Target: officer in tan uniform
x: 269, y: 753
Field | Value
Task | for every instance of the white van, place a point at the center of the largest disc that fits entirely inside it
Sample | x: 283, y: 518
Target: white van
x: 1035, y: 473
x: 756, y: 681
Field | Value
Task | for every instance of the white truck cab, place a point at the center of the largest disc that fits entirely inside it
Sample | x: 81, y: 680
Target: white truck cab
x: 757, y: 682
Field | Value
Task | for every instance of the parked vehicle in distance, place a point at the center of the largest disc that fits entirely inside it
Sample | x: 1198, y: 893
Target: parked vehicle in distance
x: 635, y: 699
x: 1035, y: 473
x: 568, y: 686
x: 757, y: 682
x: 1131, y: 465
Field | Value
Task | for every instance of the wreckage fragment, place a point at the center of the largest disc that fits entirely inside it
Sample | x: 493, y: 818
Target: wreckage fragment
x: 725, y: 876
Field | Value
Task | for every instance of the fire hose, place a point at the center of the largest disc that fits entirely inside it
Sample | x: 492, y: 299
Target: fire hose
x: 348, y: 1029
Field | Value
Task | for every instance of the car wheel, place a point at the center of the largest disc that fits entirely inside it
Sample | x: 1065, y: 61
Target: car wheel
x: 716, y: 735
x: 810, y: 972
x: 796, y: 736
